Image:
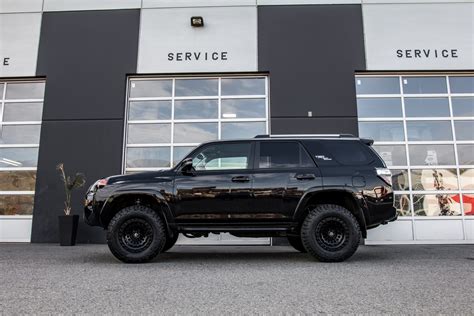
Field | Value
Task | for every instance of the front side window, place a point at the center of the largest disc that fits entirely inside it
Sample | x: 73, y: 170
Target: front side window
x: 225, y: 156
x: 283, y: 155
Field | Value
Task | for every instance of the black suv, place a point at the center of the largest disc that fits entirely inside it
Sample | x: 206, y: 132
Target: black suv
x: 320, y: 191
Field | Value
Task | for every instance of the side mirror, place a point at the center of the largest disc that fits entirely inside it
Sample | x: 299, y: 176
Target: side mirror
x: 187, y: 166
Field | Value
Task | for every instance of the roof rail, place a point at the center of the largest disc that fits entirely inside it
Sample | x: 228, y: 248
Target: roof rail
x: 302, y: 135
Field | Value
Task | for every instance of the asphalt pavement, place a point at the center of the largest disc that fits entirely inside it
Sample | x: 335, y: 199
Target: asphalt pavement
x: 87, y: 279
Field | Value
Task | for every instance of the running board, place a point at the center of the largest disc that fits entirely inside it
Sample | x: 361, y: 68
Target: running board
x: 227, y: 229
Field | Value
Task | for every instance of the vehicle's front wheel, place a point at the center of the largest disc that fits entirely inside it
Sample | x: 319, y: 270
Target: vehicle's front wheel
x: 136, y: 234
x: 295, y: 242
x: 330, y: 233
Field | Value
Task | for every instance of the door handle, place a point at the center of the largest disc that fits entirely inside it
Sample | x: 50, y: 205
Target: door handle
x: 240, y: 179
x: 308, y: 176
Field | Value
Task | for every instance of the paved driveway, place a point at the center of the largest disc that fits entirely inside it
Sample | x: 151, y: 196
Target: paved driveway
x: 236, y: 280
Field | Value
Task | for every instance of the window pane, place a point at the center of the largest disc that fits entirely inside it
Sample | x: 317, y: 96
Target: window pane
x: 402, y: 204
x: 149, y: 133
x: 392, y: 155
x: 378, y: 85
x: 196, y: 109
x: 22, y: 112
x: 463, y: 106
x: 400, y: 180
x: 466, y: 154
x: 464, y: 130
x: 419, y: 85
x: 467, y: 179
x: 149, y: 110
x: 196, y: 87
x: 180, y: 152
x: 18, y: 157
x: 16, y: 204
x: 428, y: 107
x: 283, y: 155
x: 223, y: 156
x: 379, y: 107
x: 17, y: 180
x: 242, y: 130
x: 20, y: 134
x: 461, y: 84
x: 148, y: 157
x: 436, y: 205
x: 338, y: 150
x: 422, y: 155
x: 194, y: 132
x: 243, y: 108
x: 26, y: 90
x: 382, y: 131
x: 434, y: 179
x: 150, y: 88
x: 243, y: 86
x: 429, y: 130
x: 468, y: 204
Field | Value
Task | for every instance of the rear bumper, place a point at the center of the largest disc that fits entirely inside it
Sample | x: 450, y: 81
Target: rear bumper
x: 380, y: 214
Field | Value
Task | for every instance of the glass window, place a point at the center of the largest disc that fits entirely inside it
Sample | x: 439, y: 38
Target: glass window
x: 196, y: 109
x: 422, y: 155
x: 25, y: 90
x: 436, y: 205
x: 148, y: 157
x: 194, y: 132
x: 382, y: 131
x: 467, y: 179
x: 463, y: 106
x: 402, y: 204
x: 18, y: 157
x: 434, y: 179
x: 393, y: 155
x: 243, y: 108
x: 464, y: 130
x: 466, y: 154
x: 20, y: 134
x: 149, y: 110
x: 196, y: 87
x: 426, y: 107
x: 222, y: 156
x: 400, y: 179
x: 347, y: 152
x: 377, y: 85
x: 21, y: 112
x: 422, y: 85
x: 242, y: 130
x: 275, y: 154
x: 429, y: 130
x: 379, y: 107
x: 17, y: 180
x: 180, y: 152
x: 243, y: 86
x: 150, y: 88
x: 461, y: 84
x: 149, y: 133
x: 16, y: 204
x: 468, y: 204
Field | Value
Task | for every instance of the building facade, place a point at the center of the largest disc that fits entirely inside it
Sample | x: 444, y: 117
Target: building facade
x: 121, y: 86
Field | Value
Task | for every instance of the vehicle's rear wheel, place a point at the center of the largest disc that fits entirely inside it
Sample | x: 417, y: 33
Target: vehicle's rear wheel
x: 330, y: 233
x: 170, y: 242
x: 295, y: 242
x: 136, y: 234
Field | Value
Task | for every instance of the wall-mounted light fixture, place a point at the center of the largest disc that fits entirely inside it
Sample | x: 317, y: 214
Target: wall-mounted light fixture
x: 197, y: 21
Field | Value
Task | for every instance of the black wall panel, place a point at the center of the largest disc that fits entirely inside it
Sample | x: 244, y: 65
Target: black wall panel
x: 311, y: 53
x: 326, y: 125
x: 85, y: 56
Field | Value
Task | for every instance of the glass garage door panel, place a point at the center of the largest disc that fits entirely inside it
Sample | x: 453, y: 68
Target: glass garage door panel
x: 423, y: 127
x: 168, y: 117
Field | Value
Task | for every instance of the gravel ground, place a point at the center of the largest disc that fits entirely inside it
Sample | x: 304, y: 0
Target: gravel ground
x: 414, y: 279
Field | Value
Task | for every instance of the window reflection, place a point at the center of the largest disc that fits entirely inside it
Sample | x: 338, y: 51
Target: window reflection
x: 243, y: 86
x: 436, y: 204
x: 18, y: 157
x: 150, y: 88
x: 20, y: 112
x: 16, y: 204
x: 463, y: 106
x: 243, y: 108
x: 196, y: 109
x: 25, y: 90
x: 149, y: 133
x: 242, y: 130
x: 157, y: 157
x: 429, y: 130
x: 194, y: 132
x: 378, y: 85
x: 434, y: 179
x: 400, y: 179
x: 431, y: 107
x: 462, y: 84
x: 422, y: 85
x: 382, y: 131
x: 392, y: 155
x: 402, y: 204
x: 464, y: 130
x: 379, y: 107
x: 149, y: 110
x: 20, y: 134
x: 196, y: 87
x: 421, y: 155
x: 180, y: 152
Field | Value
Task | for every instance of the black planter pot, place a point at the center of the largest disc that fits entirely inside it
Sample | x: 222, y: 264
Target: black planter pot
x: 68, y: 229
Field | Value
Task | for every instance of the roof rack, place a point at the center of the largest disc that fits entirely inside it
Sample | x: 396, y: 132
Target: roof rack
x: 303, y: 135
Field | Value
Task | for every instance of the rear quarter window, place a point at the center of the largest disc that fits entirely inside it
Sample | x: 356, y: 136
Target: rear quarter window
x: 344, y: 152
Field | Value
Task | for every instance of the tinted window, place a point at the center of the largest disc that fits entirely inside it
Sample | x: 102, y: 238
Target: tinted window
x: 346, y: 152
x: 283, y: 155
x: 222, y: 156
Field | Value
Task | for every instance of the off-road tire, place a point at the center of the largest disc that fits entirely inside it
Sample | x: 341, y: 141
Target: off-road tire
x: 321, y: 231
x: 295, y: 242
x: 126, y: 225
x: 170, y: 242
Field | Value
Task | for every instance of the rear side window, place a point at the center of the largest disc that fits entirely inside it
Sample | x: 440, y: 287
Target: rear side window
x: 345, y: 152
x: 283, y: 155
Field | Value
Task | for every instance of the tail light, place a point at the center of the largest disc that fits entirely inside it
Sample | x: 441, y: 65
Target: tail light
x: 385, y: 174
x: 101, y: 183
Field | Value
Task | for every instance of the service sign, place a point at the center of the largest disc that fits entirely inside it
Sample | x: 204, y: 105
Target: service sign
x: 20, y: 34
x: 226, y: 42
x: 419, y: 36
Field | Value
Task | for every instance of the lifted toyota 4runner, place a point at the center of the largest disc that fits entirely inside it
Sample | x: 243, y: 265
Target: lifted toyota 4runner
x: 320, y: 191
